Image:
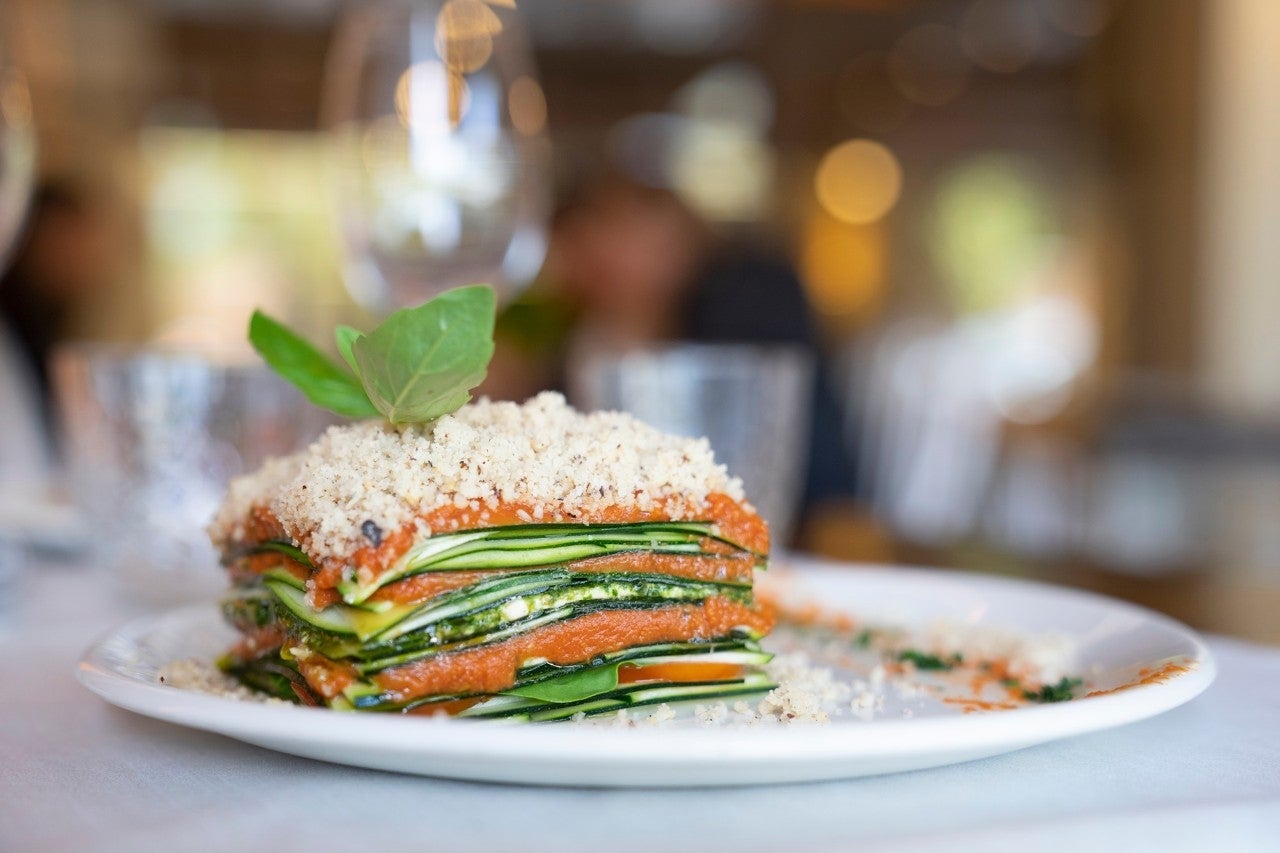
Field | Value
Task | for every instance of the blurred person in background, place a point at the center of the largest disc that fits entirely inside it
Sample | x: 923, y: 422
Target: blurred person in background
x: 58, y: 262
x: 631, y: 266
x: 24, y: 448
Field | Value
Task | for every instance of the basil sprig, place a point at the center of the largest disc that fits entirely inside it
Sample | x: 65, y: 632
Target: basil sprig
x: 418, y: 364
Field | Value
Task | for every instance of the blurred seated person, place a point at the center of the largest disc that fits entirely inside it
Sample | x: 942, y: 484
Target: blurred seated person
x: 25, y: 457
x: 631, y: 266
x: 57, y: 262
x: 640, y: 266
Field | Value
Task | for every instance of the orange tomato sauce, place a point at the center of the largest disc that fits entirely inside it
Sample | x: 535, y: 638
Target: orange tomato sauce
x: 491, y: 669
x: 1166, y: 671
x: 254, y: 644
x: 969, y: 705
x: 262, y: 525
x: 250, y: 566
x: 735, y: 520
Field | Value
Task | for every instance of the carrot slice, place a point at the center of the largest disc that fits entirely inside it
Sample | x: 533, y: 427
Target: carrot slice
x: 680, y: 672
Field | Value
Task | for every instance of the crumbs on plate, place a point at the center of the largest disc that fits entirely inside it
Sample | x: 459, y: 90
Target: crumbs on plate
x: 829, y: 669
x: 201, y: 676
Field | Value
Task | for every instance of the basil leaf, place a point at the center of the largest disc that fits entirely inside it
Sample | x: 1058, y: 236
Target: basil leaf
x: 422, y: 362
x: 419, y: 364
x: 345, y: 336
x: 323, y: 382
x: 572, y: 687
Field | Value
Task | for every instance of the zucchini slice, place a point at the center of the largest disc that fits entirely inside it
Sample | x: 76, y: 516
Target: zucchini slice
x: 538, y: 545
x: 493, y: 602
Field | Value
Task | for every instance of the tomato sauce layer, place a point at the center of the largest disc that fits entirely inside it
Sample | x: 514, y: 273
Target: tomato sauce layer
x: 491, y: 669
x: 734, y: 520
x: 250, y: 567
x: 257, y: 643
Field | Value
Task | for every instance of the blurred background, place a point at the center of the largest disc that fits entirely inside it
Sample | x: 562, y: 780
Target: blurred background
x: 1028, y: 245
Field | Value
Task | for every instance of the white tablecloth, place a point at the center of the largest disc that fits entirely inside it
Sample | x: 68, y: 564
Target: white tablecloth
x: 78, y: 774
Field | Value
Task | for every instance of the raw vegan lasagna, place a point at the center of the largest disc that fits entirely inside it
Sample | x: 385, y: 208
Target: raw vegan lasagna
x: 520, y: 561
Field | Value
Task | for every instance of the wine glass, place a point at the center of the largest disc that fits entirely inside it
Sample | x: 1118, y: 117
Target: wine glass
x: 440, y: 153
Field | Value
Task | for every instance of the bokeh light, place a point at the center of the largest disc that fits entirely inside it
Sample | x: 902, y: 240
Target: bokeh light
x: 689, y: 27
x: 1034, y: 353
x: 710, y: 148
x: 858, y: 181
x: 464, y: 34
x: 429, y: 98
x: 719, y: 162
x: 844, y: 267
x: 730, y: 93
x: 528, y: 106
x: 722, y: 172
x: 1014, y: 274
x: 991, y: 220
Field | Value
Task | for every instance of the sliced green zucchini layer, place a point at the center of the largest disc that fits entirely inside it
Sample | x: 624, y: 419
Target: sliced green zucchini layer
x: 735, y: 650
x: 539, y: 682
x: 250, y: 609
x: 524, y: 546
x: 485, y: 613
x: 273, y: 675
x: 380, y: 635
x: 488, y: 605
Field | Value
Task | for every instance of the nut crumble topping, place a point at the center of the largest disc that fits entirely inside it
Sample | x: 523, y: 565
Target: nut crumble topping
x: 543, y: 454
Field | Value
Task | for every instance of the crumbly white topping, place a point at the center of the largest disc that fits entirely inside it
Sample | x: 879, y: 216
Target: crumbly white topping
x: 543, y: 454
x: 251, y: 490
x: 805, y: 692
x: 1041, y: 658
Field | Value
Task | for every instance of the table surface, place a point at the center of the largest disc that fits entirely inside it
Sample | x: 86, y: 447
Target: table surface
x: 82, y: 775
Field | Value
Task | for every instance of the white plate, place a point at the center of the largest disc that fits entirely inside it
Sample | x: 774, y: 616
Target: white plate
x: 1113, y: 639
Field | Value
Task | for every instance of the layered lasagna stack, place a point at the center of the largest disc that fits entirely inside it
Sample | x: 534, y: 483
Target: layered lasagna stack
x: 521, y: 561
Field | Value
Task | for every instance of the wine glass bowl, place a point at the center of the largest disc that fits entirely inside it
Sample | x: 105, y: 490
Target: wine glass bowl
x: 439, y: 149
